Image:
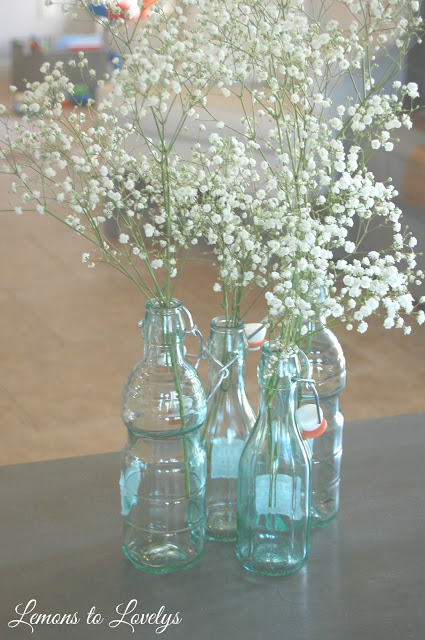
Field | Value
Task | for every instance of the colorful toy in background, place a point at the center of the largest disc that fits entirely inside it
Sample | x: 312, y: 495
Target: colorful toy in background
x: 125, y: 9
x: 147, y: 8
x: 98, y: 10
x: 80, y: 42
x: 36, y: 44
x: 115, y: 60
x: 130, y: 10
x: 79, y: 98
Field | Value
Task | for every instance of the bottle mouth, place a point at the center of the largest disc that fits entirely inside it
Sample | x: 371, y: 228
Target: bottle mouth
x: 159, y: 308
x: 275, y: 348
x: 219, y: 324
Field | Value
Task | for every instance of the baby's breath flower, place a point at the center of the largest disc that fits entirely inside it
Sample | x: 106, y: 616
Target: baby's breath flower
x: 279, y: 198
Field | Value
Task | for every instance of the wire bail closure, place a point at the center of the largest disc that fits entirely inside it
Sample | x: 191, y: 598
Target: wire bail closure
x: 193, y: 330
x: 320, y: 427
x: 304, y: 415
x: 311, y: 386
x: 223, y: 372
x: 258, y: 328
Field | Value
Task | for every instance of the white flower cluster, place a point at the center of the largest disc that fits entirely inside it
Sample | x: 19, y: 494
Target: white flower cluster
x: 314, y: 201
x: 281, y: 195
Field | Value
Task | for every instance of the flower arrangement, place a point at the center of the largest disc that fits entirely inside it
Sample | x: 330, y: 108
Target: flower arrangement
x: 281, y: 194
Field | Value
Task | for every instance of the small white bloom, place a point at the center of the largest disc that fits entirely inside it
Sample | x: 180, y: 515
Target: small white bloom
x: 412, y: 90
x: 350, y: 247
x: 217, y: 287
x: 362, y: 327
x: 149, y: 230
x: 124, y: 238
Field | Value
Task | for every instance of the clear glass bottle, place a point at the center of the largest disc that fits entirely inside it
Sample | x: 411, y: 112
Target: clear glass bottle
x: 328, y: 369
x: 274, y: 475
x: 229, y: 421
x: 163, y: 472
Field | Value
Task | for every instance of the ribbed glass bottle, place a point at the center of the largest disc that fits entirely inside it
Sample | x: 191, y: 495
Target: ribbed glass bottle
x: 274, y: 475
x: 328, y: 369
x: 163, y: 472
x: 229, y: 421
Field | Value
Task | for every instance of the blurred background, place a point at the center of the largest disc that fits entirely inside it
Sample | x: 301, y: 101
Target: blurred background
x: 69, y: 334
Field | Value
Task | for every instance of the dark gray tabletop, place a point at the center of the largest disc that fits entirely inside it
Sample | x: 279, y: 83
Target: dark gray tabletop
x: 364, y: 580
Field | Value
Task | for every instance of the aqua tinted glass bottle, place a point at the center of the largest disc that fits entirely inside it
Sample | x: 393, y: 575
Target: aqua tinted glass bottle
x: 229, y: 421
x: 163, y: 471
x: 328, y: 369
x: 274, y: 475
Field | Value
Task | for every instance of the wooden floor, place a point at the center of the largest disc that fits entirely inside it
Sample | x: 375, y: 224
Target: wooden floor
x: 69, y: 337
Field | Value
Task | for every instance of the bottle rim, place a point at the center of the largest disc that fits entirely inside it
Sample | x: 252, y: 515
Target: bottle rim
x: 272, y: 348
x: 154, y: 306
x: 219, y: 324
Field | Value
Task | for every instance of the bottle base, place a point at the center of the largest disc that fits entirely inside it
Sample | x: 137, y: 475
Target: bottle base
x: 221, y: 524
x: 220, y: 537
x: 316, y: 523
x: 161, y: 559
x: 268, y: 559
x: 320, y: 517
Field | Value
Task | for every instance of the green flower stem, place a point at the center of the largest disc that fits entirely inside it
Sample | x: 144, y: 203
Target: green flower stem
x: 174, y: 365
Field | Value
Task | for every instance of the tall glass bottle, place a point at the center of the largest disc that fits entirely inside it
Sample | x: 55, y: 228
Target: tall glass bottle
x: 274, y: 475
x: 229, y: 421
x: 328, y: 369
x: 163, y: 464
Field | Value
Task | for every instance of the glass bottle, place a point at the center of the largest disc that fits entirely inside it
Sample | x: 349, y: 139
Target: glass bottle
x: 229, y: 421
x: 274, y: 475
x: 163, y: 464
x: 328, y: 369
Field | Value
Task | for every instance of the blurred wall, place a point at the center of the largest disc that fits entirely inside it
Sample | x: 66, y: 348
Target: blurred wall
x: 21, y: 19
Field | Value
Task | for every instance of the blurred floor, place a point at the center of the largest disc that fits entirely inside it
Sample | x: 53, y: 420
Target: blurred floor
x: 69, y: 337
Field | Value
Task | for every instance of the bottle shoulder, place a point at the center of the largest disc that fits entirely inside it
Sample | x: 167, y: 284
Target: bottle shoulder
x: 327, y: 360
x: 283, y: 433
x: 154, y: 399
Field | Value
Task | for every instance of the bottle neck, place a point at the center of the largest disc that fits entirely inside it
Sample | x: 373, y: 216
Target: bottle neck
x: 227, y: 346
x: 318, y: 321
x: 277, y: 377
x: 163, y: 331
x: 278, y: 404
